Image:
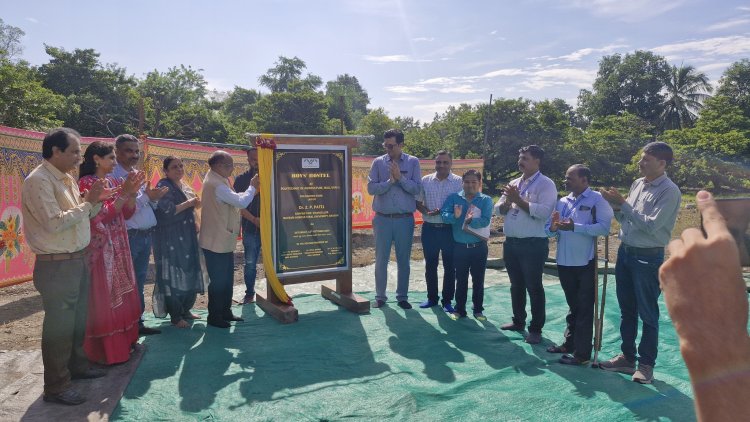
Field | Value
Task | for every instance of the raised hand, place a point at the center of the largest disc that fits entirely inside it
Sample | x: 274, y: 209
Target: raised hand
x: 98, y: 192
x: 133, y: 183
x: 255, y: 182
x: 155, y: 194
x: 457, y: 210
x: 512, y: 193
x: 612, y: 195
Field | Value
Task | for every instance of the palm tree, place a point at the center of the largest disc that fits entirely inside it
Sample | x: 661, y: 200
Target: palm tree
x: 686, y: 89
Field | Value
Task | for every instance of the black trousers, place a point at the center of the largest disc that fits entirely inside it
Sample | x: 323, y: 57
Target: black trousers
x: 220, y: 267
x: 470, y: 260
x: 578, y: 285
x: 524, y: 261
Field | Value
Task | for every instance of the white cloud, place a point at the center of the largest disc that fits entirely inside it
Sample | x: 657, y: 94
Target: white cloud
x: 733, y: 45
x: 493, y: 32
x: 728, y: 24
x: 714, y: 66
x: 403, y: 89
x: 579, y: 54
x: 503, y: 72
x: 32, y: 20
x: 744, y: 8
x: 628, y: 11
x: 460, y: 89
x: 394, y: 58
x: 423, y: 39
x: 405, y: 98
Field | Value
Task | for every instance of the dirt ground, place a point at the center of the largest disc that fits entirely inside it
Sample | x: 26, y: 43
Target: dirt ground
x: 21, y: 306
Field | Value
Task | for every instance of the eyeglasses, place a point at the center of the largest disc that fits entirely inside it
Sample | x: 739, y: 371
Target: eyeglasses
x: 389, y: 146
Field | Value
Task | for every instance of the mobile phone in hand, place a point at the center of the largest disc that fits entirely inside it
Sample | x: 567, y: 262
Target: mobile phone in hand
x: 736, y: 212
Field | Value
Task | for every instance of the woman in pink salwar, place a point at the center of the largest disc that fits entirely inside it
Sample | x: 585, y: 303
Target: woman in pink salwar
x: 114, y: 304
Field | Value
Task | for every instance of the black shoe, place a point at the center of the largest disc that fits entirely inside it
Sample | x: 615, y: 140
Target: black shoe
x: 404, y: 304
x: 69, y: 397
x: 218, y: 323
x: 512, y: 326
x: 146, y: 331
x: 568, y: 359
x: 428, y: 304
x: 378, y: 304
x: 88, y: 374
x: 233, y: 318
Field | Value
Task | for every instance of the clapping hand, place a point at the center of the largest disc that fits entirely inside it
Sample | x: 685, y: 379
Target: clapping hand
x: 98, y: 192
x: 554, y: 221
x: 155, y: 194
x: 512, y: 193
x: 133, y: 183
x: 395, y: 171
x: 612, y: 195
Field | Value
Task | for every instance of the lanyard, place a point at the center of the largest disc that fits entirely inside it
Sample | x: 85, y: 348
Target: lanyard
x: 568, y: 211
x: 528, y: 185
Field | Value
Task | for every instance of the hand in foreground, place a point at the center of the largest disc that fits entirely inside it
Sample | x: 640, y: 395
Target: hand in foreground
x: 702, y: 283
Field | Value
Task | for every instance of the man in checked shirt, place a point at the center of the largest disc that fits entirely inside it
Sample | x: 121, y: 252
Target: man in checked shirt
x: 436, y: 236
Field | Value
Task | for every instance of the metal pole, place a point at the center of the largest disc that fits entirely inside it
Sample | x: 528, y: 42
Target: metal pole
x: 598, y: 342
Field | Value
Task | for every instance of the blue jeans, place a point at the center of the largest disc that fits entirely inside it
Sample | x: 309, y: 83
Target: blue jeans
x: 638, y: 294
x: 140, y: 250
x: 251, y: 242
x: 437, y: 240
x: 388, y: 231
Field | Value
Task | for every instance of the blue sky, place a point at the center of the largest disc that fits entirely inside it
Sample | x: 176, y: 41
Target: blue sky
x: 414, y: 58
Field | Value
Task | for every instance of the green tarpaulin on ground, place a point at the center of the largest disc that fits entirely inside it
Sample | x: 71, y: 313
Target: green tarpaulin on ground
x: 398, y: 364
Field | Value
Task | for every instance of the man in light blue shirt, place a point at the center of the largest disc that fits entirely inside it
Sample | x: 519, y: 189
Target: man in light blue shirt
x: 472, y: 208
x: 577, y: 221
x: 394, y: 181
x: 141, y: 224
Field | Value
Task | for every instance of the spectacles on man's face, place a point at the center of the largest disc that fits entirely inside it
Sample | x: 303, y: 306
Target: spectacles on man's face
x: 389, y: 146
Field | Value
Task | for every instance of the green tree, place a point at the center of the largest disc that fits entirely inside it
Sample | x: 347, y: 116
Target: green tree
x: 164, y: 93
x: 10, y: 41
x: 195, y: 121
x: 103, y: 95
x: 686, y: 90
x: 24, y: 102
x: 239, y: 103
x: 735, y: 85
x: 608, y: 146
x: 632, y: 83
x: 303, y: 112
x: 374, y: 124
x: 286, y: 76
x: 347, y: 100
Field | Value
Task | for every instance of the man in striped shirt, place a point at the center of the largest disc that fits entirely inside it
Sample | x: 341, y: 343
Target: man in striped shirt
x: 436, y: 235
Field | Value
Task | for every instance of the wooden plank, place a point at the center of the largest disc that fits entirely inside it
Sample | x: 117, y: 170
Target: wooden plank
x: 349, y: 301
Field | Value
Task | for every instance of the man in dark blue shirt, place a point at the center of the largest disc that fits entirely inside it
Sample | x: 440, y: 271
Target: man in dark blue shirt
x: 250, y: 226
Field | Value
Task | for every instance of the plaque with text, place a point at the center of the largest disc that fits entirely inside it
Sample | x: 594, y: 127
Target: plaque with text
x: 310, y: 188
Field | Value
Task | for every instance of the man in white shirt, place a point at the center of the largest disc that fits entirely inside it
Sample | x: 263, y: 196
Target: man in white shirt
x: 436, y: 235
x: 526, y: 204
x: 220, y: 227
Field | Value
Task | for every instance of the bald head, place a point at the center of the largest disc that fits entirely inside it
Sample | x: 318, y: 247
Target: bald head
x: 221, y: 162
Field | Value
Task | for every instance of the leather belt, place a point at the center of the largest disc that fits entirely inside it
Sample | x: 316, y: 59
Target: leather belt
x: 436, y: 225
x: 470, y: 245
x: 398, y: 215
x: 60, y: 256
x: 642, y: 251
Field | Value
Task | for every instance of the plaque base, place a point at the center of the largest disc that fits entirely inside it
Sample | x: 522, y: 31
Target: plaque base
x: 283, y: 313
x: 350, y: 301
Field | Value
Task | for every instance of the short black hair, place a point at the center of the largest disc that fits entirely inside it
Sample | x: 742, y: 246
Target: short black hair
x: 251, y: 149
x: 582, y: 171
x: 444, y: 152
x: 121, y: 139
x: 474, y: 173
x: 167, y: 161
x: 58, y: 137
x: 394, y: 133
x: 660, y: 150
x: 534, y: 150
x: 98, y: 148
